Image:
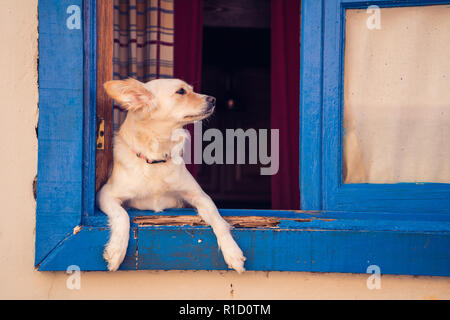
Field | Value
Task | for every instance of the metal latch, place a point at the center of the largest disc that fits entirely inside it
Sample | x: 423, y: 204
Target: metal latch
x: 101, y: 135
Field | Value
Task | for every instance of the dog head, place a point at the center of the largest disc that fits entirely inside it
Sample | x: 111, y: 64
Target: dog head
x: 162, y: 99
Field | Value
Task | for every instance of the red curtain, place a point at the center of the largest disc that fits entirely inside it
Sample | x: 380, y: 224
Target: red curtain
x: 188, y: 22
x: 285, y: 84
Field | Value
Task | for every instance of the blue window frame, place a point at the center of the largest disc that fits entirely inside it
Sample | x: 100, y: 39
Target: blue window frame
x: 328, y: 236
x: 322, y: 125
x: 400, y: 197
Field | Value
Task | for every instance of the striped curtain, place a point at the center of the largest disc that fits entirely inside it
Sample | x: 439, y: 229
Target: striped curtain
x: 143, y: 42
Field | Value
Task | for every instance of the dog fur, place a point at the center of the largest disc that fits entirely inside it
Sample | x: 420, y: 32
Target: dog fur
x: 155, y: 110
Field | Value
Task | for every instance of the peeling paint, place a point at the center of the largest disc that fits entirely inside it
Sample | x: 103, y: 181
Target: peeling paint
x: 76, y: 230
x: 136, y: 253
x: 303, y: 220
x: 234, y: 221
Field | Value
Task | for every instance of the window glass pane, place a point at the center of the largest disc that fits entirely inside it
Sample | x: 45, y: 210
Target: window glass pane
x: 397, y: 95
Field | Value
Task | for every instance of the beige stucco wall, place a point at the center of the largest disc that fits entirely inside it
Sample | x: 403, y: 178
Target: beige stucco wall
x: 18, y: 158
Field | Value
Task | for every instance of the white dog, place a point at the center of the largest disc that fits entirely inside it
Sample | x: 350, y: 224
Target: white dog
x: 144, y: 176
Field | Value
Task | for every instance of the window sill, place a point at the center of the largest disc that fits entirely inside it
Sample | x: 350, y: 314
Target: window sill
x: 279, y: 241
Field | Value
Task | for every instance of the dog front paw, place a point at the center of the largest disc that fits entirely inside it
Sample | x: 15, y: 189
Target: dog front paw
x: 114, y: 256
x: 232, y: 254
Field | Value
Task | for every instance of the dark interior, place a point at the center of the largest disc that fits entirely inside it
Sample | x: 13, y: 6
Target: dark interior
x: 236, y: 70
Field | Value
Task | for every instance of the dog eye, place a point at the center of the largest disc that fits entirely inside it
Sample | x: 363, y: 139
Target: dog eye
x: 181, y: 91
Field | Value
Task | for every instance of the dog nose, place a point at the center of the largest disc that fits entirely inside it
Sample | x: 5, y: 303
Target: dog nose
x: 211, y: 100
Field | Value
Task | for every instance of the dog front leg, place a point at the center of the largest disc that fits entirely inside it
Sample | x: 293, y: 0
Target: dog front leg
x: 119, y: 223
x: 207, y: 210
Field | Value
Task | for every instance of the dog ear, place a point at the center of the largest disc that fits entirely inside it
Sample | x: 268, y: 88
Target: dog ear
x: 130, y: 94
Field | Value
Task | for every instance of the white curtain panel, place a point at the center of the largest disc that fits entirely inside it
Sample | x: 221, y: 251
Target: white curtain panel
x: 397, y: 95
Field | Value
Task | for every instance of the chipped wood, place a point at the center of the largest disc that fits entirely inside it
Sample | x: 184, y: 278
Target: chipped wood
x: 234, y: 221
x: 303, y: 220
x: 76, y: 230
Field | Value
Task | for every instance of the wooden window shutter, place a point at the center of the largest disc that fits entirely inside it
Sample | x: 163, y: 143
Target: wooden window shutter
x: 105, y: 45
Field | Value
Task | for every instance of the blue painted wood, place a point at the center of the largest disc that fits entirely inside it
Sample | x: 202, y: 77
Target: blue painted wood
x: 85, y: 250
x: 60, y: 127
x: 90, y: 110
x: 321, y: 245
x: 390, y: 3
x: 401, y: 197
x: 390, y: 221
x: 325, y: 241
x: 339, y: 220
x: 311, y: 106
x: 332, y: 96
